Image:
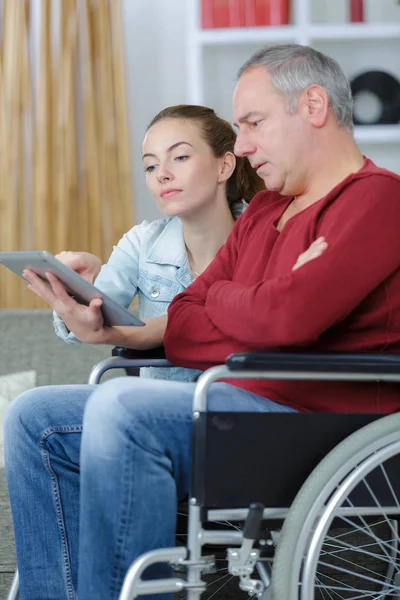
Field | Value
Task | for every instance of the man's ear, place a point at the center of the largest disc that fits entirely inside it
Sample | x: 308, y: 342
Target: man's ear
x: 228, y: 164
x: 317, y: 104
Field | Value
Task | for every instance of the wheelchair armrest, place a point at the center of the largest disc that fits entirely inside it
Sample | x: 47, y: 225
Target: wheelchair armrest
x: 155, y: 353
x: 125, y: 358
x: 327, y: 363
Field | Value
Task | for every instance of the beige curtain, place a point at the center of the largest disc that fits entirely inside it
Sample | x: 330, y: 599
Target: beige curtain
x: 65, y: 169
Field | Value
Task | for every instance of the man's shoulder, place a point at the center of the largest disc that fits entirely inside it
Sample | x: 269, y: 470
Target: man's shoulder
x: 265, y: 202
x: 370, y: 183
x: 377, y: 176
x: 368, y: 192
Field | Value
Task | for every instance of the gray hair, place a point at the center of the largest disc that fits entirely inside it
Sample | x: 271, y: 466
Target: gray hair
x: 293, y: 68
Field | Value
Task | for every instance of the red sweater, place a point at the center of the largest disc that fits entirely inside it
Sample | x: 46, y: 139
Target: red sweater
x: 348, y: 299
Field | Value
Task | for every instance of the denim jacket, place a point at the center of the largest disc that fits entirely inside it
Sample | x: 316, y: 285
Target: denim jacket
x: 150, y: 261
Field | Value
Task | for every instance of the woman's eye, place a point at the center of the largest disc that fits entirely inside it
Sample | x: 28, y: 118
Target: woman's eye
x: 150, y: 168
x: 254, y: 124
x: 181, y: 158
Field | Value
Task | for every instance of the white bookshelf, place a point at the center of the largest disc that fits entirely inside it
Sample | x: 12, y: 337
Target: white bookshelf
x: 214, y: 55
x: 355, y: 31
x: 258, y: 35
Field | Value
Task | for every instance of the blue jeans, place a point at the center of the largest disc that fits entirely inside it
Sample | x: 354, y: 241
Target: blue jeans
x: 100, y: 469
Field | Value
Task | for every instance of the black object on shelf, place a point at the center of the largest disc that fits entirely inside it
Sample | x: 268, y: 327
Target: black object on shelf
x: 382, y: 91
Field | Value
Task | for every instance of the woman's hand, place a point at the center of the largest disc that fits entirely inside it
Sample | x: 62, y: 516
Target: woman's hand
x: 315, y: 249
x: 85, y: 264
x: 85, y: 322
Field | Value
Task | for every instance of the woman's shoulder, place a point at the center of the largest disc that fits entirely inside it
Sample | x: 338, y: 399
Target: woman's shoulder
x: 159, y: 241
x: 150, y: 231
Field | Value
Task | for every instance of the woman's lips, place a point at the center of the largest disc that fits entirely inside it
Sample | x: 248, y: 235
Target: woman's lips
x: 169, y: 193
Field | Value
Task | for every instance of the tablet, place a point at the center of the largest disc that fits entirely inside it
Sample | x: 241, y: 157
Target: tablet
x: 41, y: 262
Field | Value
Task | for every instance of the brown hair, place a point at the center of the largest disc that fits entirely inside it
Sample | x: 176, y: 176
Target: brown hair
x: 244, y: 182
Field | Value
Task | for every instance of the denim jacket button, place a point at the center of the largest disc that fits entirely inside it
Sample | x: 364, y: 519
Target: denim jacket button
x: 154, y: 292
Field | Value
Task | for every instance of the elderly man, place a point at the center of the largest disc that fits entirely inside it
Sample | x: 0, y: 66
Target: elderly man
x: 312, y: 264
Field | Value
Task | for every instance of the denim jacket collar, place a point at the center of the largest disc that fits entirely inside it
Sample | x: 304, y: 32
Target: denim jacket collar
x: 169, y: 247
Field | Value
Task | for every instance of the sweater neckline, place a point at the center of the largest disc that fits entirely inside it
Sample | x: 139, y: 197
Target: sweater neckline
x: 333, y: 192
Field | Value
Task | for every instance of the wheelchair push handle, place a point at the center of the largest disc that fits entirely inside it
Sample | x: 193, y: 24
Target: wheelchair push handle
x: 253, y: 521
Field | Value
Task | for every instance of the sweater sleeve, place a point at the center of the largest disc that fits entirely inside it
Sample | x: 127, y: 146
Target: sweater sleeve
x: 191, y: 338
x: 299, y: 306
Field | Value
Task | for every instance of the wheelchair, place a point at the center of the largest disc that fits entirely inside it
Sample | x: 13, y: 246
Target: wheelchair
x: 294, y: 506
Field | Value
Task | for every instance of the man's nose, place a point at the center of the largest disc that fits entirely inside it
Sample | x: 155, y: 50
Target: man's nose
x: 243, y: 145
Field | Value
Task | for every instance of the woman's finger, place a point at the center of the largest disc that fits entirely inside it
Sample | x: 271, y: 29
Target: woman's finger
x: 58, y: 288
x: 96, y: 303
x: 40, y: 287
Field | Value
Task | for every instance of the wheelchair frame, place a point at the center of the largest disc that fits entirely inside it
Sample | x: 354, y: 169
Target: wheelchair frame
x: 248, y: 366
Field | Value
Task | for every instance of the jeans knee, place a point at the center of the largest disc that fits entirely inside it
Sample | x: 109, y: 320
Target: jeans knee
x: 102, y: 418
x: 116, y: 412
x: 117, y: 398
x: 102, y: 405
x: 18, y: 421
x: 19, y: 412
x: 34, y: 412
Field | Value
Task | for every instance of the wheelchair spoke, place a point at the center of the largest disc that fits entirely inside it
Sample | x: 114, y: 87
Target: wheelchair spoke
x: 390, y: 545
x: 359, y: 575
x: 335, y: 584
x: 357, y: 565
x: 386, y: 519
x: 359, y: 549
x: 393, y: 494
x: 228, y: 577
x: 326, y: 593
x: 350, y: 532
x: 359, y: 594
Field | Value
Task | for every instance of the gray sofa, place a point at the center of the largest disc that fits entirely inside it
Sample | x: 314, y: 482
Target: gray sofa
x: 28, y: 342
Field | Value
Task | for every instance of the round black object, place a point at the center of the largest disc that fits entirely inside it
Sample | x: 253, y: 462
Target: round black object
x: 384, y: 90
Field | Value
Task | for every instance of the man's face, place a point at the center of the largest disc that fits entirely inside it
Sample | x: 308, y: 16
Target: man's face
x: 272, y: 140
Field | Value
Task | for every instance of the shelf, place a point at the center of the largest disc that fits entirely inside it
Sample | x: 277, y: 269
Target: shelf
x: 246, y: 35
x: 262, y: 35
x: 355, y: 31
x: 377, y: 134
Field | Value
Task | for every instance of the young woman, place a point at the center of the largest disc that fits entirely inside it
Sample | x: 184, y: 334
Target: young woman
x: 201, y: 187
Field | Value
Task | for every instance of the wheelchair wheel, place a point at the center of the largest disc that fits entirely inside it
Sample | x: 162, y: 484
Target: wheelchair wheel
x: 340, y: 537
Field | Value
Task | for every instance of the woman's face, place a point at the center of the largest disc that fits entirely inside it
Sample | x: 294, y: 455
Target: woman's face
x: 182, y: 173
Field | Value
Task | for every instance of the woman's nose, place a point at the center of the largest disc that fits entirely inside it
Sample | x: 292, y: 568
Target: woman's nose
x: 164, y: 174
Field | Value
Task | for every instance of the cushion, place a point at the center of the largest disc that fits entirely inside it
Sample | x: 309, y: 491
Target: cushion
x: 10, y: 387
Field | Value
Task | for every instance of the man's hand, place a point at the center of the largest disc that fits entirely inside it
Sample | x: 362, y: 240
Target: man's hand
x: 317, y: 248
x: 85, y: 264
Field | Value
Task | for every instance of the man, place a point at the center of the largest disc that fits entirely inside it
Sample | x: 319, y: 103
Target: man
x: 293, y: 108
x: 313, y: 264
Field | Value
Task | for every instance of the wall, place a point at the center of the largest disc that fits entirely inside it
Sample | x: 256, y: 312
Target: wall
x: 155, y: 64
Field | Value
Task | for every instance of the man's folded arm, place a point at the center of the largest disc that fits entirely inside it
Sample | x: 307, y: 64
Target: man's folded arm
x: 296, y: 308
x: 191, y: 339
